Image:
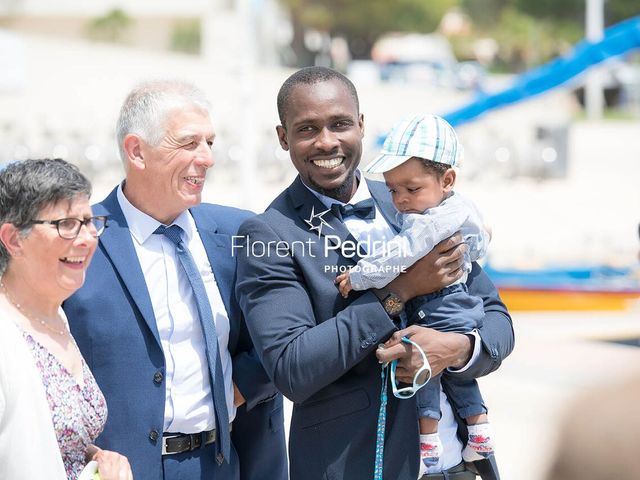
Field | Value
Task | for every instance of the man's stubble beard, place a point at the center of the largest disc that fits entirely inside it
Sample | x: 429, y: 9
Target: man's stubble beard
x: 344, y: 191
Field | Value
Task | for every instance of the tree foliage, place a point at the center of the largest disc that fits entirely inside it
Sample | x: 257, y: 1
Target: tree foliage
x: 484, y: 13
x: 575, y: 10
x: 111, y: 27
x: 361, y: 22
x: 528, y: 31
x: 618, y: 10
x: 552, y: 9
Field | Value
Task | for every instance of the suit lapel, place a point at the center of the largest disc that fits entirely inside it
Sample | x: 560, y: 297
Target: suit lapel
x: 218, y: 249
x: 118, y: 246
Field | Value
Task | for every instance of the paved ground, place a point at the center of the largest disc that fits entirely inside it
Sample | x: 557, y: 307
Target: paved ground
x: 557, y: 356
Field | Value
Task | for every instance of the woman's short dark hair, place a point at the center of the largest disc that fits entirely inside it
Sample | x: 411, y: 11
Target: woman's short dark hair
x: 28, y: 187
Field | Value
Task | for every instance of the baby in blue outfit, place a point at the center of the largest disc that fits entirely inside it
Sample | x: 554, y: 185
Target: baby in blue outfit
x: 417, y: 160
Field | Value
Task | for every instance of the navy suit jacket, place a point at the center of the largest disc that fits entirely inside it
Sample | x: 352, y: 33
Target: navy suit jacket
x: 319, y: 347
x: 112, y: 320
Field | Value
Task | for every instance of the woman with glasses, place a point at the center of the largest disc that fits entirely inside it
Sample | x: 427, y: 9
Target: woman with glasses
x: 51, y: 408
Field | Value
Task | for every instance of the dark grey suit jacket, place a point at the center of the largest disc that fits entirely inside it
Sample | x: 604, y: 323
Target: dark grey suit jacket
x: 319, y: 347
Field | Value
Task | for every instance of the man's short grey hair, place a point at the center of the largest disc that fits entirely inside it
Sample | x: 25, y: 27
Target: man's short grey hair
x: 145, y: 110
x: 30, y: 186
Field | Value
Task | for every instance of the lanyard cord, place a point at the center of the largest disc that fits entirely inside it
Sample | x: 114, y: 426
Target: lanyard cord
x: 382, y: 422
x: 402, y: 393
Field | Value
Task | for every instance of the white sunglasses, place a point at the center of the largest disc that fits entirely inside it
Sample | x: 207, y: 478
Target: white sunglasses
x: 420, y: 379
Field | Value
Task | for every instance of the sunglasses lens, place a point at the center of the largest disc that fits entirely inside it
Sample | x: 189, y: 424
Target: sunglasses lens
x: 405, y: 393
x: 422, y: 376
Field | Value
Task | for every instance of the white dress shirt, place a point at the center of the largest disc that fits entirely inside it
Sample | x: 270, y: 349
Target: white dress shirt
x: 376, y: 230
x: 188, y: 397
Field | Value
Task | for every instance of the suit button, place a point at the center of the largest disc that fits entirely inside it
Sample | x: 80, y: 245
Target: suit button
x: 219, y: 458
x: 364, y: 344
x: 157, y: 377
x: 153, y: 435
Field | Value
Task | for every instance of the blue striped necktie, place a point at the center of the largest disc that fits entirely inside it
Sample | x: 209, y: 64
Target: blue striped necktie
x: 223, y: 441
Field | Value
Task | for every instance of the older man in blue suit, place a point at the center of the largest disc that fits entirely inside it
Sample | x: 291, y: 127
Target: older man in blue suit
x: 318, y: 347
x: 157, y: 318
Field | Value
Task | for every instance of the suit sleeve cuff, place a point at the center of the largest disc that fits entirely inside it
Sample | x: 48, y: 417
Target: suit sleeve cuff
x: 474, y: 355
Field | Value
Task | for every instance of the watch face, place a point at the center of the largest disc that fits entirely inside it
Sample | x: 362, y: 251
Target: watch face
x: 393, y: 305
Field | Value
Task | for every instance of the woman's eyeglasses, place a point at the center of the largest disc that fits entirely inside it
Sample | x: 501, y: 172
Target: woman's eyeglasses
x: 69, y: 228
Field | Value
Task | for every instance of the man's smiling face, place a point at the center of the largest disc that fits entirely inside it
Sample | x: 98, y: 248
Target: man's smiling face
x: 323, y: 134
x: 175, y: 170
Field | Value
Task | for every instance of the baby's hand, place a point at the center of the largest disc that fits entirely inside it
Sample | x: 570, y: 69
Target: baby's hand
x: 344, y: 284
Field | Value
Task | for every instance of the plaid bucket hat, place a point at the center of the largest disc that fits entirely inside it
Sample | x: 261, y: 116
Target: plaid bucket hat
x: 423, y: 136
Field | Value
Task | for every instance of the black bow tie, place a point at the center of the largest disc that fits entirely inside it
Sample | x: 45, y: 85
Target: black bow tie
x: 365, y: 209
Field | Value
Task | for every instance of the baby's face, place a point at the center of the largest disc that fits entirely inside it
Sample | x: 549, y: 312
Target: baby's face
x: 413, y: 189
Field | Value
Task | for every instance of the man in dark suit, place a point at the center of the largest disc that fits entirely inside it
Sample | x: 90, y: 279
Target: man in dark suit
x: 318, y: 347
x: 161, y: 328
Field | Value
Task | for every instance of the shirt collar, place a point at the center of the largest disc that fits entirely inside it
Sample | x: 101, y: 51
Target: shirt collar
x: 362, y: 193
x: 142, y: 225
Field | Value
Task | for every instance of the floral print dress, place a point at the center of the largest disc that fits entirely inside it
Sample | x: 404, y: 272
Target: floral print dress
x: 79, y: 412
